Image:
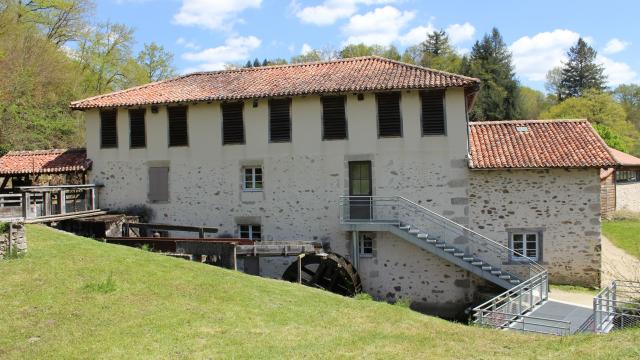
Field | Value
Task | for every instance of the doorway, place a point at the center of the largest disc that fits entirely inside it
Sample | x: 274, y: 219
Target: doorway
x: 360, y: 185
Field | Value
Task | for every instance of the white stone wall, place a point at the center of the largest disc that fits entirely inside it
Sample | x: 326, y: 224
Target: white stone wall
x: 628, y: 196
x: 565, y: 204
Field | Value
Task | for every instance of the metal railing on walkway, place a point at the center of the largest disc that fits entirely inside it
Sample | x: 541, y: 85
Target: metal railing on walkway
x: 617, y: 306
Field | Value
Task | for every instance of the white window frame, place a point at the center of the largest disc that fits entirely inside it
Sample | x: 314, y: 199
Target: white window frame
x: 525, y: 248
x: 251, y: 180
x: 366, y: 246
x: 253, y: 231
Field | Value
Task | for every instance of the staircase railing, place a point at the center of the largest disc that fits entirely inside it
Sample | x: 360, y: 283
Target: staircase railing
x: 505, y: 310
x: 617, y: 306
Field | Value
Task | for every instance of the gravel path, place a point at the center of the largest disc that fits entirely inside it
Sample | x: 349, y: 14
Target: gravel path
x: 617, y: 264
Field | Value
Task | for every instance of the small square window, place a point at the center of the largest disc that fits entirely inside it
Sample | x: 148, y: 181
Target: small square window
x: 526, y: 245
x: 252, y: 178
x: 366, y: 245
x: 250, y: 231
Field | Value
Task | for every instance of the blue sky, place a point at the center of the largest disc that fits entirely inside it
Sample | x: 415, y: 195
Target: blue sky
x: 205, y: 34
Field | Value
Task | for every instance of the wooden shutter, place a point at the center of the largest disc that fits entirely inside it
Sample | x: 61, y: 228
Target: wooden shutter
x: 232, y: 123
x: 334, y: 119
x: 137, y: 133
x: 389, y: 120
x: 108, y: 129
x: 279, y: 120
x: 178, y: 133
x: 433, y: 119
x: 159, y: 184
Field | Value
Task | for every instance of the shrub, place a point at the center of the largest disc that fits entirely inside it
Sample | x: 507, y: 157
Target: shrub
x: 403, y: 302
x: 4, y: 227
x: 363, y: 296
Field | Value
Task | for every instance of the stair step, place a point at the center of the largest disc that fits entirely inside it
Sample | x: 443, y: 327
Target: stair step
x: 423, y: 236
x: 449, y: 250
x: 431, y: 241
x: 440, y: 245
x: 458, y: 254
x: 405, y: 227
x: 486, y: 267
x: 506, y: 277
x: 414, y: 231
x: 479, y: 263
x: 496, y: 272
x: 467, y: 258
x: 514, y: 281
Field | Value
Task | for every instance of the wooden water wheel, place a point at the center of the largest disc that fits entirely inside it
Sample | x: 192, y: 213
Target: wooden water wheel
x: 330, y: 272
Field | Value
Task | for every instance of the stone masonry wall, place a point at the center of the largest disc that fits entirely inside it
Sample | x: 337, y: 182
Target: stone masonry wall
x: 13, y: 239
x: 564, y: 204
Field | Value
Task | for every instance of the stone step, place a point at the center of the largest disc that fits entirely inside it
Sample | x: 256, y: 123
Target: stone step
x: 441, y: 245
x: 423, y: 236
x: 449, y: 250
x: 458, y: 254
x: 468, y: 258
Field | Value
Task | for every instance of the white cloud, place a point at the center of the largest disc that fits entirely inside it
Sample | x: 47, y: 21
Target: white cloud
x: 617, y: 72
x: 380, y: 26
x: 534, y: 56
x: 234, y: 49
x: 330, y: 11
x: 306, y: 48
x: 459, y: 33
x: 416, y: 35
x: 187, y: 44
x: 615, y: 45
x: 213, y: 14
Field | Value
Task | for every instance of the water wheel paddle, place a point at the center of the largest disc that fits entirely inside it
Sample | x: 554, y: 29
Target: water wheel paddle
x: 330, y: 272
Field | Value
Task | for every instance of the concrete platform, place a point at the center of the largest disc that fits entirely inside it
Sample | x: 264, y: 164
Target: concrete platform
x: 577, y: 315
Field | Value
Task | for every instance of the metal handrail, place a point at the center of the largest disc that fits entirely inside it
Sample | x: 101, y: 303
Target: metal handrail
x: 617, y: 306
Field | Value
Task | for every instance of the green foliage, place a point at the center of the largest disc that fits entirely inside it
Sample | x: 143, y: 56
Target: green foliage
x: 552, y: 84
x: 581, y: 72
x: 156, y: 62
x: 531, y: 103
x: 403, y: 302
x: 356, y: 50
x: 146, y: 247
x: 625, y: 234
x: 628, y: 95
x: 436, y: 52
x: 490, y: 61
x: 4, y: 227
x: 363, y: 296
x: 105, y: 286
x: 599, y: 108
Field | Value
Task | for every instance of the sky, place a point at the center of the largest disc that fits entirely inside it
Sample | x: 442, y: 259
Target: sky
x: 206, y: 34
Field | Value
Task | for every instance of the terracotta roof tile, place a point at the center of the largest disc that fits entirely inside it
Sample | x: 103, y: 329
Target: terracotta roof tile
x: 536, y: 144
x: 369, y: 73
x: 44, y: 161
x: 624, y: 159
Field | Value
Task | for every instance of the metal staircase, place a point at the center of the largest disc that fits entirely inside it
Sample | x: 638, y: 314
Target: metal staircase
x: 525, y: 281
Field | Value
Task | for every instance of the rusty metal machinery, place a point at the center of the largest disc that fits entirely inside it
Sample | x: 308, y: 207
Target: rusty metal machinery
x: 330, y: 272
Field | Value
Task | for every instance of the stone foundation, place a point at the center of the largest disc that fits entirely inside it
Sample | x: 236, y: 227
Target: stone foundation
x: 13, y: 240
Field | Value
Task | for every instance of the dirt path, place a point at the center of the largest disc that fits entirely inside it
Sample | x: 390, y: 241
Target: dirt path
x: 573, y: 297
x: 617, y: 264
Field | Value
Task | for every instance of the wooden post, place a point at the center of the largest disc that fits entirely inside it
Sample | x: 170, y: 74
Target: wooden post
x: 300, y: 268
x: 46, y: 203
x: 201, y: 233
x: 92, y: 197
x: 26, y: 202
x: 62, y: 199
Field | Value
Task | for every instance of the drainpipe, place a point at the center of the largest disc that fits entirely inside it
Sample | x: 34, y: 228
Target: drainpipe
x: 355, y: 248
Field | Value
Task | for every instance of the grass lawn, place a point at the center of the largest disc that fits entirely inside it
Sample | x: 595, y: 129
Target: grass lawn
x: 625, y: 234
x: 71, y: 297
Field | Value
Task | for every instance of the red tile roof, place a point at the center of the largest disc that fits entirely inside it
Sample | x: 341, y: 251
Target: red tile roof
x: 44, y: 161
x: 537, y: 144
x: 624, y: 159
x: 361, y: 74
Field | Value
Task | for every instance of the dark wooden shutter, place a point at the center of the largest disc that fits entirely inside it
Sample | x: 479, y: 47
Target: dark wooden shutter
x: 178, y: 133
x: 137, y: 133
x: 389, y: 120
x: 279, y: 120
x: 433, y: 122
x: 158, y: 184
x: 334, y: 119
x: 232, y: 123
x: 108, y: 129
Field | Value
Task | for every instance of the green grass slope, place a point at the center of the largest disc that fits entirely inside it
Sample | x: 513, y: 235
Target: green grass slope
x: 71, y: 297
x: 624, y: 233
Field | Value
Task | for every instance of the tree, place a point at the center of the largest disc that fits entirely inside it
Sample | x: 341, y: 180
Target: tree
x: 611, y: 138
x: 531, y: 103
x: 104, y: 56
x: 628, y: 95
x: 256, y: 62
x: 490, y: 61
x: 356, y: 50
x: 581, y: 72
x: 156, y: 62
x: 599, y: 108
x: 552, y: 85
x: 315, y: 55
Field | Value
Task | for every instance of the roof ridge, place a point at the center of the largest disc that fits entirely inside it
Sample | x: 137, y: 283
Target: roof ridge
x: 42, y: 151
x: 528, y: 121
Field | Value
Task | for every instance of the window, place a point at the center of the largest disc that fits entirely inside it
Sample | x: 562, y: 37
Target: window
x: 232, y: 123
x: 389, y: 120
x: 433, y: 119
x: 527, y: 244
x: 334, y: 119
x: 250, y: 231
x: 279, y: 120
x: 366, y: 245
x: 627, y: 176
x: 178, y: 135
x: 158, y: 184
x: 108, y: 129
x: 137, y: 136
x: 252, y: 179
